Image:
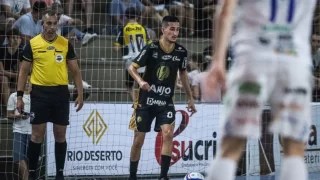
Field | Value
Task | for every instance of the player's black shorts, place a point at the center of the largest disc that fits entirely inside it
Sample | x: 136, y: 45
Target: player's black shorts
x: 50, y: 104
x: 142, y: 118
x: 129, y: 79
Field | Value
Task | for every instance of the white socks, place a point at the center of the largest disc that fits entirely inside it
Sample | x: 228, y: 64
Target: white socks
x: 222, y: 169
x: 293, y: 168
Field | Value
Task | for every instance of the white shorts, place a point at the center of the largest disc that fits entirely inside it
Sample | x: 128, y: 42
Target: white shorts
x: 285, y: 85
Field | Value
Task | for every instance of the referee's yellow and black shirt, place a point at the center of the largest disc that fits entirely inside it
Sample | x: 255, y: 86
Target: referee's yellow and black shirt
x: 49, y: 60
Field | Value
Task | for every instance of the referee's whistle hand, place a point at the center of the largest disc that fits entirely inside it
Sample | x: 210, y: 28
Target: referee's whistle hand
x: 78, y: 103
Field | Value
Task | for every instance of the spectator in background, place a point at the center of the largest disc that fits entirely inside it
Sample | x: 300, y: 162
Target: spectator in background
x: 181, y: 9
x: 88, y: 8
x: 194, y: 68
x: 10, y: 55
x: 29, y: 24
x: 13, y: 9
x: 66, y: 26
x: 150, y: 17
x: 21, y: 130
x: 198, y: 85
x: 131, y: 40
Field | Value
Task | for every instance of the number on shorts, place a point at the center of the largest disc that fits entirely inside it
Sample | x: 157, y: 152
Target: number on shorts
x: 169, y: 114
x: 274, y: 10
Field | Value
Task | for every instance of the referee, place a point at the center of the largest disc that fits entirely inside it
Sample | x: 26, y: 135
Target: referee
x: 50, y: 56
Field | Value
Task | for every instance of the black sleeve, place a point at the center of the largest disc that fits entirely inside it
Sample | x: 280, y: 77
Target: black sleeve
x: 27, y: 53
x: 183, y: 63
x: 71, y: 54
x: 142, y: 59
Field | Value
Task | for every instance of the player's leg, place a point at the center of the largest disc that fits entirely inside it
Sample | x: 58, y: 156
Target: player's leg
x: 60, y: 119
x: 20, y: 142
x: 243, y: 105
x: 292, y: 117
x: 165, y: 122
x: 141, y: 124
x: 135, y: 153
x: 129, y: 81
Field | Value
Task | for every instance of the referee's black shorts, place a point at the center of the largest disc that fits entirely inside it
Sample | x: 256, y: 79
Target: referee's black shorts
x: 50, y: 104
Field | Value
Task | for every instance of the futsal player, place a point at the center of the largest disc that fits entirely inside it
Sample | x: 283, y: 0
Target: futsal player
x: 131, y: 39
x: 162, y: 59
x: 272, y: 64
x: 50, y: 56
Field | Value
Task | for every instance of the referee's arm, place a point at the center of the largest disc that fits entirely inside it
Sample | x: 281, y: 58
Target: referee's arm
x: 76, y: 74
x: 25, y: 65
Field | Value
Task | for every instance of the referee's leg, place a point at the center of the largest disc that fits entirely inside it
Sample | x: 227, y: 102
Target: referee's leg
x: 34, y: 148
x: 41, y: 109
x: 60, y: 121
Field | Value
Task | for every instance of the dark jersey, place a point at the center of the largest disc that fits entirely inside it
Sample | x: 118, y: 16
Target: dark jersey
x: 10, y: 61
x: 160, y: 74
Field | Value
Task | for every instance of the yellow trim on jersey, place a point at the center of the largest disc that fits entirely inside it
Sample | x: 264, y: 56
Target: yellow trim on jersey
x: 135, y: 65
x: 49, y: 64
x: 164, y: 49
x: 117, y: 44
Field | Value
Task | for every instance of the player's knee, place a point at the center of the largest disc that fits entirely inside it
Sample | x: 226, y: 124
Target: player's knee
x: 167, y: 135
x: 293, y: 147
x: 37, y: 138
x: 138, y: 143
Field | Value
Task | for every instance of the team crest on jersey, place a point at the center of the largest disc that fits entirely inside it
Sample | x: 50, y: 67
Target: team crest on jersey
x: 59, y: 58
x: 163, y: 73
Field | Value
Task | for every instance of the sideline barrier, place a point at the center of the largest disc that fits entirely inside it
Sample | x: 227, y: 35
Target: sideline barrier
x: 99, y: 143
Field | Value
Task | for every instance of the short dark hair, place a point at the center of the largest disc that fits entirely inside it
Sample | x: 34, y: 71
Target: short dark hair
x: 50, y: 12
x: 132, y: 13
x: 55, y: 6
x: 39, y: 6
x: 13, y: 32
x: 168, y: 19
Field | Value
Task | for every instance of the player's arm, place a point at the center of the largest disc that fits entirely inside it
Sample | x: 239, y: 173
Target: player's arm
x: 140, y: 61
x: 224, y: 22
x: 183, y: 74
x: 25, y: 65
x: 119, y: 41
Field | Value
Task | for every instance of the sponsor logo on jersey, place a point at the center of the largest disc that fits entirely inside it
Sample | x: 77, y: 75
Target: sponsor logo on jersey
x: 152, y: 101
x: 175, y: 58
x: 163, y: 73
x: 133, y: 29
x: 180, y: 49
x: 161, y: 89
x: 166, y: 57
x: 50, y: 47
x: 155, y: 54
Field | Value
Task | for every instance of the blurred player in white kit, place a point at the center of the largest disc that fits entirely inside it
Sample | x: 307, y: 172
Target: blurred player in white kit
x: 272, y: 65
